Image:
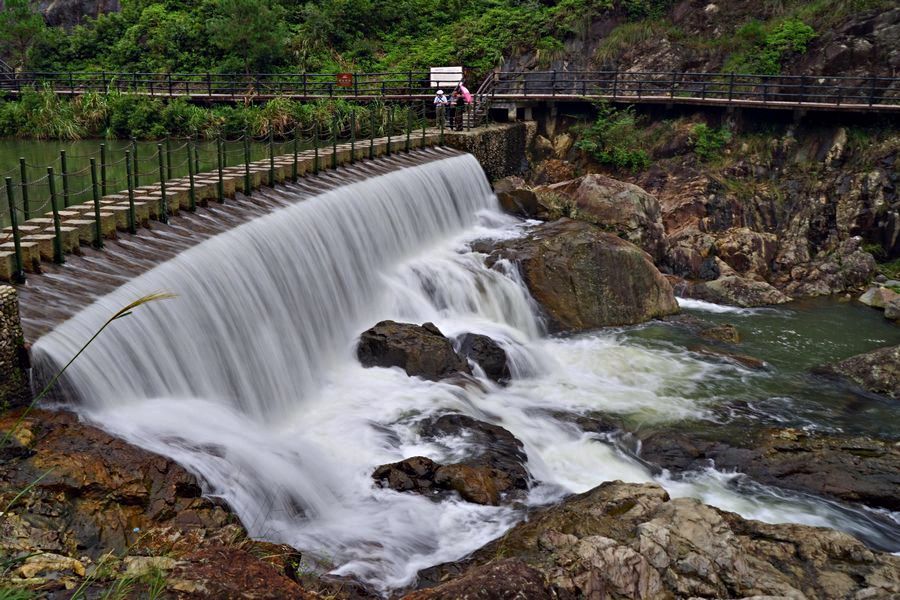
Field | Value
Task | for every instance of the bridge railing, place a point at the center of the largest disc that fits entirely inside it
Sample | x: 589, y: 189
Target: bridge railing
x: 406, y: 84
x: 728, y: 87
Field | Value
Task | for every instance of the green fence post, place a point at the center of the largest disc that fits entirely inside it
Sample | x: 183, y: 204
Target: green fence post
x: 316, y: 147
x: 221, y: 186
x: 163, y: 201
x: 18, y: 275
x: 168, y: 157
x: 65, y: 177
x: 294, y: 171
x: 98, y: 230
x: 197, y: 156
x: 390, y: 127
x: 54, y: 205
x: 23, y: 175
x: 102, y: 169
x: 334, y: 141
x: 271, y: 158
x: 372, y: 134
x: 192, y: 193
x: 352, y: 136
x: 132, y: 225
x: 247, y: 187
x: 137, y: 163
x: 408, y: 128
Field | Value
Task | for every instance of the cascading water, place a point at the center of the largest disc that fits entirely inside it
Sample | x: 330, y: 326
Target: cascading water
x: 248, y: 376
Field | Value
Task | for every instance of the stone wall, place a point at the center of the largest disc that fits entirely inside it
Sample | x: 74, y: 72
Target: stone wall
x: 500, y: 148
x: 14, y: 387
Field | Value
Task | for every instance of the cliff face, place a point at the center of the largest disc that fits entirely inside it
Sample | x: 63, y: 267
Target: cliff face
x: 68, y: 13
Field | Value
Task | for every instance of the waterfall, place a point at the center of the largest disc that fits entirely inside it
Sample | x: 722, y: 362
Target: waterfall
x: 248, y: 376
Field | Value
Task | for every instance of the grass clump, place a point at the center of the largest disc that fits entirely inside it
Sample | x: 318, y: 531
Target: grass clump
x: 709, y: 141
x: 614, y: 139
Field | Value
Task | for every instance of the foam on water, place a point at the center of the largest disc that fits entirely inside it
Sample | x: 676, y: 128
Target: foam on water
x: 248, y: 377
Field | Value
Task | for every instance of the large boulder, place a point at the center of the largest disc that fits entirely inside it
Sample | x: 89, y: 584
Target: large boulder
x: 877, y: 371
x: 633, y: 541
x: 734, y: 290
x: 620, y: 207
x: 487, y: 354
x: 585, y: 278
x: 850, y: 469
x: 420, y: 350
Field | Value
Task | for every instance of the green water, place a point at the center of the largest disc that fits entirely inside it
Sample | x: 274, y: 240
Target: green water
x: 39, y: 155
x: 792, y: 339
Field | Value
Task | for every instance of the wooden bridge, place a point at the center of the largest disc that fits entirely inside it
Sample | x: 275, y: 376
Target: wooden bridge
x: 809, y: 92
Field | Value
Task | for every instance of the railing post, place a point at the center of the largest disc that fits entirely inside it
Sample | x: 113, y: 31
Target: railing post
x: 168, y: 157
x: 271, y: 158
x: 441, y: 122
x: 23, y: 177
x: 219, y: 159
x: 247, y: 184
x: 372, y: 132
x: 137, y: 163
x: 209, y: 85
x: 615, y: 83
x: 872, y: 87
x: 352, y: 136
x: 163, y: 201
x: 316, y: 147
x: 98, y: 229
x: 102, y: 169
x: 192, y: 193
x: 553, y: 83
x: 802, y: 89
x: 132, y: 224
x: 295, y: 168
x: 334, y: 141
x: 169, y: 77
x: 731, y: 86
x: 65, y: 177
x: 54, y: 206
x: 674, y: 80
x: 18, y: 275
x: 197, y: 156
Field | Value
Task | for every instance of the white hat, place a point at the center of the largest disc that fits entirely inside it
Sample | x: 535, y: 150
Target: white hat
x: 440, y: 92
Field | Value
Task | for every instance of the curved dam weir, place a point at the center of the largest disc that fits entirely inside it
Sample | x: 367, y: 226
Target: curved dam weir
x: 248, y: 377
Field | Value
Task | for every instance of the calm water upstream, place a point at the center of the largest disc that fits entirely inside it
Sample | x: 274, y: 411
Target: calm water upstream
x: 252, y: 382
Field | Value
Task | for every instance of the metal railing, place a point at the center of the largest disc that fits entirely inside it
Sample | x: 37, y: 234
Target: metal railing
x: 866, y: 92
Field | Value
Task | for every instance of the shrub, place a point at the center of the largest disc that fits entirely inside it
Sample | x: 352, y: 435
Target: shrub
x: 708, y: 141
x: 614, y: 139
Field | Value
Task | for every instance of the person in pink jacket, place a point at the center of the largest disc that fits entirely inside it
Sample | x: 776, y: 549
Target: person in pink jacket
x: 466, y: 94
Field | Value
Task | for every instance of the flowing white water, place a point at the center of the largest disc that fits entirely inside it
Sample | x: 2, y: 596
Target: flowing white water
x: 248, y: 377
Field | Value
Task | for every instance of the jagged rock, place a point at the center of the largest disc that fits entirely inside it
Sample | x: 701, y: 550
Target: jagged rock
x: 747, y: 251
x: 876, y: 371
x: 421, y: 351
x: 722, y: 333
x: 487, y: 354
x: 505, y: 579
x: 850, y: 469
x: 414, y: 474
x: 518, y: 199
x: 633, y: 541
x: 552, y: 170
x: 585, y: 278
x: 734, y: 290
x: 616, y: 206
x: 879, y: 297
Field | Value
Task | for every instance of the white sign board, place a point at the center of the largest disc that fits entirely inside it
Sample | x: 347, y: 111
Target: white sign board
x: 446, y: 76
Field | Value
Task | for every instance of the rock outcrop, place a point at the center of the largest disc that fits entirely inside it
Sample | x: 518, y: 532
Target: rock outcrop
x: 877, y: 371
x: 420, y: 350
x: 632, y: 541
x: 585, y: 278
x: 487, y: 354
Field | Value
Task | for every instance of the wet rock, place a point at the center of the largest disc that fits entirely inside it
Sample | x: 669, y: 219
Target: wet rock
x: 505, y: 579
x: 736, y: 291
x: 487, y: 354
x: 415, y: 474
x: 879, y: 297
x: 633, y: 541
x: 892, y: 310
x: 421, y: 351
x: 722, y: 333
x: 616, y: 206
x: 744, y: 360
x: 585, y: 278
x: 850, y: 469
x: 480, y: 485
x: 877, y: 371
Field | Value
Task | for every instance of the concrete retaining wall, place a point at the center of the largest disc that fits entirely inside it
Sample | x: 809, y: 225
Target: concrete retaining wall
x: 500, y: 148
x: 14, y: 387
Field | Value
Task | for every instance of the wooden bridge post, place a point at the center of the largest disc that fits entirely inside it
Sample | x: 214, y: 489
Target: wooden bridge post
x: 102, y: 169
x: 271, y: 157
x: 23, y: 176
x: 65, y: 177
x: 192, y: 192
x: 18, y: 275
x: 98, y: 229
x: 54, y: 206
x: 132, y: 224
x: 163, y: 201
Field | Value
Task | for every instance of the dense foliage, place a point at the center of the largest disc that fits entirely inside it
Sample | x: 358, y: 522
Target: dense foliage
x: 614, y: 139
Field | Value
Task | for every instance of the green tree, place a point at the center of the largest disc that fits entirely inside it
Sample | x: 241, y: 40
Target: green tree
x: 20, y: 25
x: 252, y: 31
